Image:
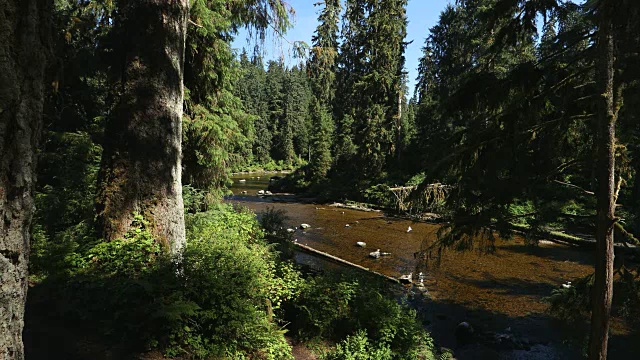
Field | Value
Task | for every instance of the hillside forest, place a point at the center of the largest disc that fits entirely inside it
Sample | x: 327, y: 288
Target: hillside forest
x: 122, y: 122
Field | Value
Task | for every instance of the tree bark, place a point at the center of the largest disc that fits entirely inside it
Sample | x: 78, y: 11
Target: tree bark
x: 141, y: 168
x: 23, y: 55
x: 606, y: 192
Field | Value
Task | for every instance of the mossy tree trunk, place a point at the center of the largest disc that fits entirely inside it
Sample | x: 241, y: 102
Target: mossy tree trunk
x: 23, y: 54
x: 141, y: 167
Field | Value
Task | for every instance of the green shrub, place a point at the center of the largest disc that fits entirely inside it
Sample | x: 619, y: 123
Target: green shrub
x: 61, y: 256
x: 231, y: 274
x: 379, y: 195
x: 64, y: 198
x: 337, y: 305
x: 358, y: 347
x: 222, y: 300
x: 131, y: 256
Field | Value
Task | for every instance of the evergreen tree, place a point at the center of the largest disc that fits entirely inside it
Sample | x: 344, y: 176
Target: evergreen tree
x: 25, y: 52
x: 141, y: 169
x: 322, y: 71
x: 217, y: 133
x: 252, y: 91
x: 297, y: 109
x: 349, y: 69
x: 282, y: 140
x: 372, y: 63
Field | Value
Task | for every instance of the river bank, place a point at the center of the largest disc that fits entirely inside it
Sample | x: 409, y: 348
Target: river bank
x: 500, y: 294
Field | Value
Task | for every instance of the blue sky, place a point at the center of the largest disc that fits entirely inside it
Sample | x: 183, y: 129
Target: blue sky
x: 422, y: 15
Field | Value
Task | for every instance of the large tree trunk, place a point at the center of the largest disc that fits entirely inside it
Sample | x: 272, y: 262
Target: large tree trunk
x: 606, y: 193
x: 23, y: 52
x: 141, y: 167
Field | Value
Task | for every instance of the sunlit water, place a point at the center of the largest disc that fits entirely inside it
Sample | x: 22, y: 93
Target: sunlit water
x: 493, y: 291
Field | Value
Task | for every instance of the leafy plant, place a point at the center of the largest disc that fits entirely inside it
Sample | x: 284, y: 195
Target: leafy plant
x: 338, y: 305
x: 358, y: 347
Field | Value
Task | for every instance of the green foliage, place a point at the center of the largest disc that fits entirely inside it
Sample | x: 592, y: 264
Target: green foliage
x: 380, y: 195
x: 371, y: 81
x: 62, y: 255
x: 337, y: 305
x: 322, y: 73
x: 67, y: 177
x: 357, y: 347
x: 573, y: 303
x: 194, y: 199
x: 278, y: 100
x: 131, y: 256
x: 507, y: 119
x: 223, y: 299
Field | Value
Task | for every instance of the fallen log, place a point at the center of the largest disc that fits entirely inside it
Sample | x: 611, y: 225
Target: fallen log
x: 336, y: 259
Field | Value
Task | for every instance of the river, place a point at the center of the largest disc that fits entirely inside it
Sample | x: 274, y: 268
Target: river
x: 497, y: 293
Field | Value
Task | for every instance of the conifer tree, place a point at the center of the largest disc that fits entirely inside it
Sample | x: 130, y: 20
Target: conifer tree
x: 372, y: 64
x: 25, y: 48
x: 322, y: 72
x: 141, y: 169
x: 252, y: 91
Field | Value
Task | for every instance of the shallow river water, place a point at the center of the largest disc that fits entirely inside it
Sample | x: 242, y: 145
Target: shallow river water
x: 499, y: 292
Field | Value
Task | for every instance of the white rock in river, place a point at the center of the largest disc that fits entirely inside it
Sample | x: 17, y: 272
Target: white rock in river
x: 361, y: 244
x: 290, y: 230
x: 305, y: 226
x: 260, y: 192
x: 375, y: 254
x: 409, y: 229
x: 268, y: 192
x: 406, y: 279
x: 242, y: 180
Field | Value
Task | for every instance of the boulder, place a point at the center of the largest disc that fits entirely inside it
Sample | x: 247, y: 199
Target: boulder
x: 464, y: 333
x: 361, y: 244
x: 305, y: 226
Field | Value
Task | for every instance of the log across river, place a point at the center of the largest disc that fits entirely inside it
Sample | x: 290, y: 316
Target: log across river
x: 494, y: 291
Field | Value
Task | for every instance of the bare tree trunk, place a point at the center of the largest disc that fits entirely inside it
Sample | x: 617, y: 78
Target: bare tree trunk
x: 141, y: 168
x: 606, y: 192
x: 23, y: 55
x: 399, y: 128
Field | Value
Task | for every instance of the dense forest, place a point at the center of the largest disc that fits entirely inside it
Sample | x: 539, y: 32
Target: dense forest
x: 122, y: 122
